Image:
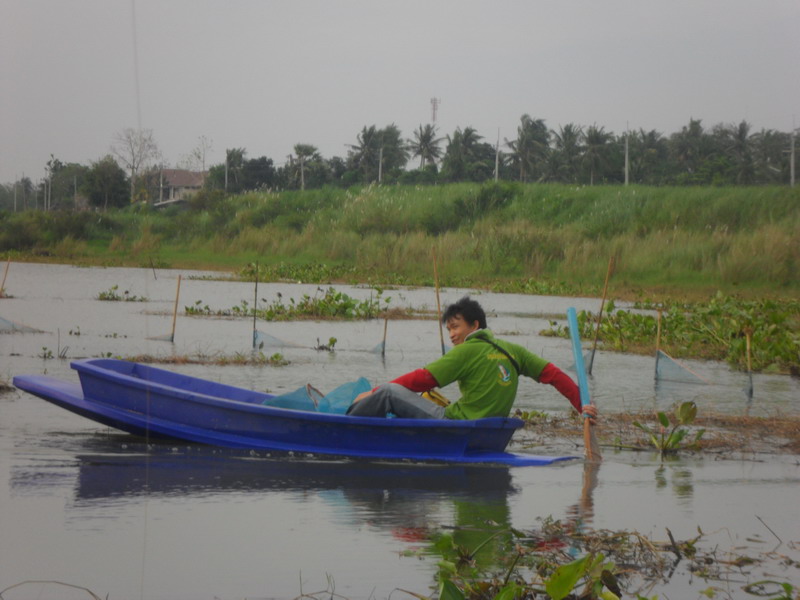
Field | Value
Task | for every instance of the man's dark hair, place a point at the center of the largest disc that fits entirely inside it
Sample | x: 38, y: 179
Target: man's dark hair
x: 468, y: 309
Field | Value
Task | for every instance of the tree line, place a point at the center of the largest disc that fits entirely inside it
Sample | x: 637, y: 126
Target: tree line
x: 731, y: 154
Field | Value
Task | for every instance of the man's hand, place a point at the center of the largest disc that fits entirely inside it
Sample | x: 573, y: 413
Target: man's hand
x: 591, y: 411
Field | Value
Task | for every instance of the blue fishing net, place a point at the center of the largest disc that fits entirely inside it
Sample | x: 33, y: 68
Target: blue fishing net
x: 309, y: 398
x: 338, y: 401
x: 305, y: 398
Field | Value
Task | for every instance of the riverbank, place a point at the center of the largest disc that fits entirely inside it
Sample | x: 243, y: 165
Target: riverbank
x: 666, y: 243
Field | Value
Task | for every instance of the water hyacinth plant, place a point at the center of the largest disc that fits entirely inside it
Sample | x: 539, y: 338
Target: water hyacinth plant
x: 667, y: 437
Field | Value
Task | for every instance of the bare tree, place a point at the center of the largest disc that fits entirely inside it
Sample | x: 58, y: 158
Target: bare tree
x: 196, y: 159
x: 135, y: 149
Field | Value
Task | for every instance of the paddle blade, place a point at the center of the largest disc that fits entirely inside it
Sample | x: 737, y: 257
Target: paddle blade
x: 589, y: 437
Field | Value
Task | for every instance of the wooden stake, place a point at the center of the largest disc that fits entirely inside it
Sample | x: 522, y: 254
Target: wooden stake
x: 748, y: 332
x: 175, y: 309
x: 600, y: 314
x: 385, y: 326
x: 438, y: 305
x: 658, y: 339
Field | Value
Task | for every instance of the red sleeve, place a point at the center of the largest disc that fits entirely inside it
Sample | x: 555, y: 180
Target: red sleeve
x: 563, y: 383
x: 420, y: 380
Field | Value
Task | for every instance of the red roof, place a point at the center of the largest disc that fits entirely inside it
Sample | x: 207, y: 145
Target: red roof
x: 180, y: 178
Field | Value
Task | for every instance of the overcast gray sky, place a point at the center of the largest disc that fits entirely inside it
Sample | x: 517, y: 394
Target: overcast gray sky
x: 265, y: 75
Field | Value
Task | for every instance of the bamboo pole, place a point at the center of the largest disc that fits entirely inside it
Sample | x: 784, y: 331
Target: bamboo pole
x: 255, y: 308
x: 600, y: 314
x: 658, y: 340
x: 175, y: 308
x: 385, y: 327
x: 438, y: 304
x: 748, y: 332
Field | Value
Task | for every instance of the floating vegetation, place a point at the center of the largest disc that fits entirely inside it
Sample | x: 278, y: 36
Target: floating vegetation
x: 111, y: 295
x: 237, y: 359
x: 330, y: 304
x: 668, y: 440
x: 316, y: 272
x: 715, y: 330
x: 326, y: 347
x: 541, y: 564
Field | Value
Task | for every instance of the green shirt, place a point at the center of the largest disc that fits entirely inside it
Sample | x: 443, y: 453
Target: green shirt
x: 486, y: 377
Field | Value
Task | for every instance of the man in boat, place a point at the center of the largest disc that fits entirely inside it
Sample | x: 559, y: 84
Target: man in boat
x: 487, y: 370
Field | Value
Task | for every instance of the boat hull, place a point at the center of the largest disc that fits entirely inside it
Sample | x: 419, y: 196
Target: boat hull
x: 148, y: 401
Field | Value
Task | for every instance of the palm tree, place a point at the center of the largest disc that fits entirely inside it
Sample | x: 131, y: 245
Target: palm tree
x: 529, y: 151
x: 363, y: 155
x: 568, y: 146
x: 648, y: 152
x: 690, y: 148
x: 425, y: 145
x: 234, y: 163
x: 771, y: 155
x: 463, y: 155
x: 376, y: 150
x: 739, y: 148
x: 595, y: 154
x: 304, y: 153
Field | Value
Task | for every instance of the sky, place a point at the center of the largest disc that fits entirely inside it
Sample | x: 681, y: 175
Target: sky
x: 265, y: 75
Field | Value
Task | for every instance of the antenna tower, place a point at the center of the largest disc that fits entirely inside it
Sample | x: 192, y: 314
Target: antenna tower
x: 435, y: 102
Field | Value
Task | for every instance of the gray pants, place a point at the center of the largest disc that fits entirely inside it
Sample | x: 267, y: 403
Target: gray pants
x: 398, y: 400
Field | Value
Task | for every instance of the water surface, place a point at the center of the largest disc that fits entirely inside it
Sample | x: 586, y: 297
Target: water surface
x: 99, y: 509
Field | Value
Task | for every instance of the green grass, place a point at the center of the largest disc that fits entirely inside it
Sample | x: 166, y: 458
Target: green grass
x: 665, y: 240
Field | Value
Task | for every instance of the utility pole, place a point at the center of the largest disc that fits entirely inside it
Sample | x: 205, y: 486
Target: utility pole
x: 627, y: 163
x: 791, y: 160
x: 497, y: 157
x: 380, y: 165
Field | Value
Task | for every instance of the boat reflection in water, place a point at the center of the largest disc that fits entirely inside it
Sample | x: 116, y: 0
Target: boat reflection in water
x: 194, y: 470
x: 399, y: 497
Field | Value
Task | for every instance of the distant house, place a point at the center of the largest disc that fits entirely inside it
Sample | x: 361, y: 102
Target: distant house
x: 178, y: 184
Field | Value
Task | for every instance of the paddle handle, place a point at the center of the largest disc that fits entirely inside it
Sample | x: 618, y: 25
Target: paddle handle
x: 592, y: 451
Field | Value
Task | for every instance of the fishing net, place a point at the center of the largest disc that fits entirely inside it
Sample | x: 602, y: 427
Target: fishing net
x: 309, y: 398
x: 340, y: 399
x: 263, y: 340
x: 163, y: 338
x: 669, y: 369
x: 305, y: 398
x: 7, y: 326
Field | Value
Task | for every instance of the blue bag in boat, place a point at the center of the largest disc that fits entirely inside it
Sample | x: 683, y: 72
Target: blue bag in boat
x: 303, y: 398
x: 342, y: 397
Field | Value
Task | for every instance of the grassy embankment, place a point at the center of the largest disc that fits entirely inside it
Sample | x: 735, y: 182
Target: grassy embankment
x: 676, y: 242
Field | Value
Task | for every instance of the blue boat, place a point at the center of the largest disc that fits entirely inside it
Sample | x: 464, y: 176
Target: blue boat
x: 150, y: 402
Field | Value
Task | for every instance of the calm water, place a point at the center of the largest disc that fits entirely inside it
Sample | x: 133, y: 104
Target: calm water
x: 98, y: 509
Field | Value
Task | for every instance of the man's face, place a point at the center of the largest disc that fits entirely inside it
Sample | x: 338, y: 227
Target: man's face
x: 459, y: 329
